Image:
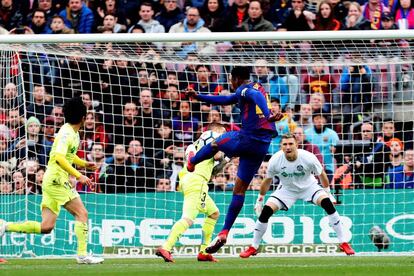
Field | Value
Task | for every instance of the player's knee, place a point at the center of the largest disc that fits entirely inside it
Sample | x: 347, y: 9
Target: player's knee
x: 328, y: 206
x: 215, y: 215
x: 47, y: 228
x: 266, y: 213
x: 188, y: 221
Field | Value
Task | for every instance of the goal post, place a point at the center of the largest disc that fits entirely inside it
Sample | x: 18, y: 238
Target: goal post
x: 139, y: 123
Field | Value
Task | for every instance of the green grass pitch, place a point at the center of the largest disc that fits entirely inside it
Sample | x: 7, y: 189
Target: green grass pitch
x: 227, y: 266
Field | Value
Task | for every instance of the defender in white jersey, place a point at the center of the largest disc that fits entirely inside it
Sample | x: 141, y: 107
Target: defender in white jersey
x: 296, y: 170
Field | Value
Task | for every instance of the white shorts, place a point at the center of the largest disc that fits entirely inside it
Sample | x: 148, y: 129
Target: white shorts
x: 284, y: 198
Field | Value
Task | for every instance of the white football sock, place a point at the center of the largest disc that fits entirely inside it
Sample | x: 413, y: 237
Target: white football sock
x: 259, y: 231
x: 336, y: 224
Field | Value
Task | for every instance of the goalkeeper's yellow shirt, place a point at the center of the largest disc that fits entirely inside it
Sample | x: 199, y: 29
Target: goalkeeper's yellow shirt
x: 66, y: 143
x: 203, y: 169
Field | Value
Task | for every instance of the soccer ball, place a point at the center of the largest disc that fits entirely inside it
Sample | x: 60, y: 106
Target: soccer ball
x: 206, y: 138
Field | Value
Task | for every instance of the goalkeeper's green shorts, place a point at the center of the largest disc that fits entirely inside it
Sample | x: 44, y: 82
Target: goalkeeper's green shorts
x: 196, y: 198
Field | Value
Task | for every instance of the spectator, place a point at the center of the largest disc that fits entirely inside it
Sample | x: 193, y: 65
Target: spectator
x: 87, y: 101
x: 116, y: 180
x: 146, y: 13
x: 325, y: 18
x: 163, y: 185
x: 256, y: 183
x: 39, y: 108
x: 326, y: 140
x: 57, y: 114
x: 193, y: 23
x: 236, y: 15
x: 292, y: 81
x: 171, y: 101
x: 92, y: 133
x: 271, y: 82
x: 231, y: 174
x: 356, y: 87
x: 213, y: 14
x: 33, y: 145
x: 139, y: 169
x: 185, y: 126
x: 9, y: 98
x: 372, y: 11
x: 282, y: 127
x: 205, y: 85
x: 319, y: 81
x: 396, y: 149
x: 163, y: 144
x: 189, y: 74
x: 96, y: 155
x: 387, y: 23
x: 19, y: 182
x: 110, y: 7
x: 78, y: 17
x: 404, y: 15
x: 367, y: 132
x: 339, y: 10
x: 317, y: 103
x: 176, y: 166
x: 39, y: 178
x: 388, y: 132
x: 305, y: 145
x: 355, y: 19
x: 48, y: 8
x: 5, y: 186
x: 214, y: 116
x: 110, y: 24
x: 10, y: 16
x: 130, y: 128
x: 169, y: 15
x: 48, y: 135
x: 57, y: 26
x: 277, y: 13
x: 39, y: 25
x: 15, y: 124
x: 129, y: 8
x: 220, y: 182
x: 298, y: 19
x: 305, y: 117
x: 256, y: 22
x: 373, y: 162
x: 148, y: 118
x: 402, y: 177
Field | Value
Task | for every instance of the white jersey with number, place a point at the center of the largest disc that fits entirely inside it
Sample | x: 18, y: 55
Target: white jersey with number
x: 295, y: 175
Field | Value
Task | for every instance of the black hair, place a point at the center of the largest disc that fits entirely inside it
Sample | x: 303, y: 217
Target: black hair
x: 74, y: 110
x: 242, y: 73
x: 208, y: 67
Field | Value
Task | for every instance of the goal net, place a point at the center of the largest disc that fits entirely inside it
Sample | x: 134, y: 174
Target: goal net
x: 347, y: 96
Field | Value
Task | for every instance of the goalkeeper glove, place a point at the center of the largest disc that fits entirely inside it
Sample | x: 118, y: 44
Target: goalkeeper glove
x: 258, y: 207
x: 331, y: 197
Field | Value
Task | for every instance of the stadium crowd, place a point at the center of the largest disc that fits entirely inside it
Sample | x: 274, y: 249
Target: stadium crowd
x: 139, y: 120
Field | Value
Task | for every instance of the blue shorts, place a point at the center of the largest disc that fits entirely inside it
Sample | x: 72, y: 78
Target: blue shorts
x: 251, y: 152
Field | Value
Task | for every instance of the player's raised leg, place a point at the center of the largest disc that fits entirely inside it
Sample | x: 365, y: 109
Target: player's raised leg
x: 78, y: 210
x: 33, y: 227
x: 335, y: 222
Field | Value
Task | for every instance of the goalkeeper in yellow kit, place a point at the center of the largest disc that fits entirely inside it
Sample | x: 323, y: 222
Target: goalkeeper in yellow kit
x: 196, y: 200
x: 57, y: 190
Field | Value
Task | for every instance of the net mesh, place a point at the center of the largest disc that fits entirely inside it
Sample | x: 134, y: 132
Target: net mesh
x: 139, y: 123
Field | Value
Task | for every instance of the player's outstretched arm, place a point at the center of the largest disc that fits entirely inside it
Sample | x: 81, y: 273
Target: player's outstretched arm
x: 261, y: 102
x: 64, y: 164
x: 218, y: 99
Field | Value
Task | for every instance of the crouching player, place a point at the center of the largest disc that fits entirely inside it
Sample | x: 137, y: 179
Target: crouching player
x: 296, y: 169
x: 196, y: 199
